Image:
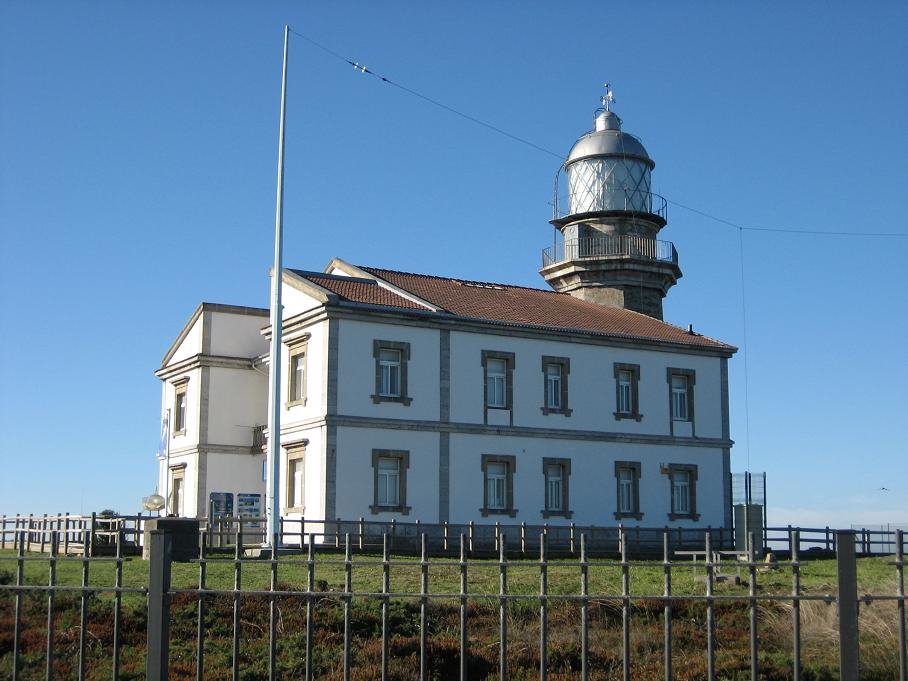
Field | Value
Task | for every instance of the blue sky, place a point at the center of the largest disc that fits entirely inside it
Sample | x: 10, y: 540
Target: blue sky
x: 137, y: 175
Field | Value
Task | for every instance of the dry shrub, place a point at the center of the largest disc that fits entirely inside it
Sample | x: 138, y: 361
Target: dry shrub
x: 877, y: 625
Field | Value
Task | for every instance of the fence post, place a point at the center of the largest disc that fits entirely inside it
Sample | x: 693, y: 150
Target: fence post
x: 158, y: 633
x: 846, y: 568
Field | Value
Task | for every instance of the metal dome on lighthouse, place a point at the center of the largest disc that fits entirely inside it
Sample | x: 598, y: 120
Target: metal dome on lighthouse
x: 608, y: 222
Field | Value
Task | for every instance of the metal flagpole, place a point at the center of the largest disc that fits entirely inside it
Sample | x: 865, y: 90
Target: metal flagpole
x: 274, y: 374
x: 166, y: 461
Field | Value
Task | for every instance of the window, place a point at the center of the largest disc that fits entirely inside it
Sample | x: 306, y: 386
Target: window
x: 498, y: 485
x: 180, y: 391
x: 683, y: 486
x: 556, y: 473
x: 555, y: 372
x: 496, y: 381
x: 297, y: 391
x: 627, y: 396
x: 498, y: 385
x: 389, y: 366
x: 553, y: 386
x: 679, y: 398
x: 390, y: 481
x: 627, y: 477
x: 391, y: 359
x: 296, y: 476
x: 681, y: 493
x: 177, y: 490
x: 681, y: 394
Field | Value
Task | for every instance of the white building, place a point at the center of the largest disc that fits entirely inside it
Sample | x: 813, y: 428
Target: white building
x: 412, y: 396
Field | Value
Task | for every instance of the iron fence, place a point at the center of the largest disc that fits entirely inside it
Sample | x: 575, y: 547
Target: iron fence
x: 610, y: 245
x: 482, y: 539
x: 587, y: 595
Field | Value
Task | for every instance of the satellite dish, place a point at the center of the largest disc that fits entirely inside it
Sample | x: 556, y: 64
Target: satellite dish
x: 155, y: 502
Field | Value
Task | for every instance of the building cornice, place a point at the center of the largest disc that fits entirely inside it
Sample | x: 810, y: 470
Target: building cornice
x: 200, y: 360
x: 359, y: 311
x: 461, y: 428
x: 214, y: 449
x: 342, y: 309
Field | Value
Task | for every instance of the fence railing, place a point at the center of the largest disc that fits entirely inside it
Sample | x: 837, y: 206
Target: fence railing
x: 367, y: 535
x: 605, y: 246
x: 225, y: 616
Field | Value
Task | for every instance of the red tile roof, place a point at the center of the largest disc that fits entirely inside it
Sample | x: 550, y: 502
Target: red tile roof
x: 506, y: 304
x: 358, y: 290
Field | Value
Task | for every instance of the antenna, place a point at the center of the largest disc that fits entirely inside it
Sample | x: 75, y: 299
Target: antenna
x: 608, y: 98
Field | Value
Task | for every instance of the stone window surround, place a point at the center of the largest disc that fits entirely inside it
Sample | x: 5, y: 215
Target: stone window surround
x: 295, y: 451
x: 634, y: 413
x: 670, y: 471
x: 404, y: 349
x: 565, y: 364
x: 565, y: 464
x: 509, y: 359
x: 510, y: 462
x: 403, y: 463
x: 634, y: 467
x: 296, y: 347
x: 180, y: 387
x: 691, y: 381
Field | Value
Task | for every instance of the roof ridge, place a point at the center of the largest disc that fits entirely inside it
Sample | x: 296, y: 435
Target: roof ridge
x: 462, y: 281
x: 336, y: 277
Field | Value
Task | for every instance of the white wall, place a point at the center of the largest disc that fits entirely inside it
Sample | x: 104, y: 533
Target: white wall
x: 592, y: 487
x: 237, y: 402
x: 237, y: 335
x: 356, y: 370
x: 234, y: 473
x: 591, y: 385
x: 191, y: 345
x: 354, y: 468
x: 316, y: 354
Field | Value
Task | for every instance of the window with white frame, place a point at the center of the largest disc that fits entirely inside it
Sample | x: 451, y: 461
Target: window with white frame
x: 180, y: 392
x: 555, y: 372
x: 681, y: 493
x: 624, y: 392
x: 388, y: 482
x: 296, y: 477
x: 177, y: 490
x: 683, y: 486
x: 389, y: 470
x: 553, y: 482
x: 496, y: 383
x: 297, y: 392
x: 627, y: 477
x: 553, y: 386
x: 556, y: 472
x: 681, y: 394
x: 498, y: 485
x: 389, y: 366
x: 679, y: 398
x: 627, y: 400
x: 391, y: 359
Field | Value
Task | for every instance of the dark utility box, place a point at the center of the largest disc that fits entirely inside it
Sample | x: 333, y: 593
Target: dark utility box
x: 184, y: 537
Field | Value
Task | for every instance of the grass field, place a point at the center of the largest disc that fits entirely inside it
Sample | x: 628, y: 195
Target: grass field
x: 879, y: 622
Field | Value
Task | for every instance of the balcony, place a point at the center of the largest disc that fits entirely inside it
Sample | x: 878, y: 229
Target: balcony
x: 609, y: 199
x: 606, y: 246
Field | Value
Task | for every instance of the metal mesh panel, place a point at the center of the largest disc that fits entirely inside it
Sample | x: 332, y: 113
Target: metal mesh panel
x: 609, y: 184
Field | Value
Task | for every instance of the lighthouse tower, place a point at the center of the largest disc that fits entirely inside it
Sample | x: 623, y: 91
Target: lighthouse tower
x: 607, y: 221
